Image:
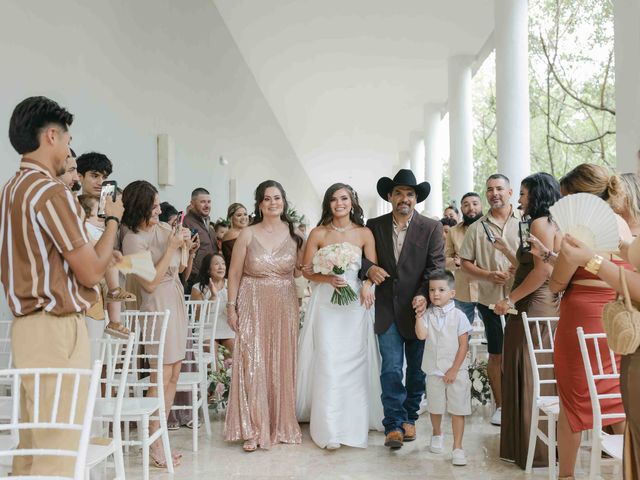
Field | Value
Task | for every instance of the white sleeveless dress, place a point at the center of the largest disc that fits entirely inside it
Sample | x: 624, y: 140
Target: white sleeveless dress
x: 338, y: 378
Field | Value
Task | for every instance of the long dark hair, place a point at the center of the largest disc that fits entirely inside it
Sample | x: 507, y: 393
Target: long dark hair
x: 203, y: 274
x: 259, y: 197
x: 167, y: 211
x: 137, y: 199
x: 356, y: 215
x: 544, y: 191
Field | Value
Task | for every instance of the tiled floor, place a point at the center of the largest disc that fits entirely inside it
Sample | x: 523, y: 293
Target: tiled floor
x: 220, y: 460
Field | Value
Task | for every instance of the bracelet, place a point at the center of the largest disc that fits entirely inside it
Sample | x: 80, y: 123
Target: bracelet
x: 111, y: 217
x: 231, y: 304
x: 593, y: 265
x: 510, y: 302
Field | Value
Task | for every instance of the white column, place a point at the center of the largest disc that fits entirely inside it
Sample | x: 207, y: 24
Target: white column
x: 460, y: 127
x: 626, y: 20
x: 432, y: 160
x: 417, y: 154
x: 512, y: 88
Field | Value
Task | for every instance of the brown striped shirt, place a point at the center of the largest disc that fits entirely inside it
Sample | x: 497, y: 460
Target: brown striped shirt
x: 40, y: 219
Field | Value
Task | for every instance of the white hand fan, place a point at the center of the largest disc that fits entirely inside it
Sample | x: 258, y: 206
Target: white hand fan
x: 139, y: 263
x: 589, y: 219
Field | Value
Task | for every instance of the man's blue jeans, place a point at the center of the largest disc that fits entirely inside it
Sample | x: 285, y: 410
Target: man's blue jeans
x: 400, y: 401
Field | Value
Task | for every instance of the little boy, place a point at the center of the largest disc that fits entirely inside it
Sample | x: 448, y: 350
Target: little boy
x: 445, y: 329
x: 95, y: 228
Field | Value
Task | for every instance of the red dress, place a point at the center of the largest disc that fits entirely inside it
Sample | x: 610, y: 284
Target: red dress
x: 582, y: 306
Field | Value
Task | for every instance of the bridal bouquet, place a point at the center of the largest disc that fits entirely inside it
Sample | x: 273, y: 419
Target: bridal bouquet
x: 336, y: 259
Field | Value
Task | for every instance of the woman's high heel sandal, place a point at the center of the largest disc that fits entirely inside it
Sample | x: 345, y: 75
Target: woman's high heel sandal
x: 250, y: 446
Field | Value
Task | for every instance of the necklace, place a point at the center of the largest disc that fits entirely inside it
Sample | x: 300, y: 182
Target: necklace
x: 340, y: 229
x: 268, y: 230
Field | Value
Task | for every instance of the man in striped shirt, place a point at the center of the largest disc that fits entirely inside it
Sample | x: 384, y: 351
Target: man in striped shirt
x: 49, y: 269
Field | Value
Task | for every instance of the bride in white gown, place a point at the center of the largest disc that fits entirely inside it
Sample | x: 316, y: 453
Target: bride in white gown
x: 338, y: 379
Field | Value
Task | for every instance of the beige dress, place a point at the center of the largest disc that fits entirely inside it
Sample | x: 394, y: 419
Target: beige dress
x: 169, y: 292
x: 262, y: 403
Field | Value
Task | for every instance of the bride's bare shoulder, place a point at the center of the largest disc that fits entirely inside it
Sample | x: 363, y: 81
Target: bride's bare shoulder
x: 319, y: 232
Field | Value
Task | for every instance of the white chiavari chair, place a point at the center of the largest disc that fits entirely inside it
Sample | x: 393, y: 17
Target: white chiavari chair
x: 150, y: 329
x: 612, y: 445
x: 196, y: 381
x: 63, y: 416
x: 116, y: 355
x: 539, y: 333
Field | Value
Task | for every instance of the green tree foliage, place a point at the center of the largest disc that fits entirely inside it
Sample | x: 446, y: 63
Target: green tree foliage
x: 571, y: 87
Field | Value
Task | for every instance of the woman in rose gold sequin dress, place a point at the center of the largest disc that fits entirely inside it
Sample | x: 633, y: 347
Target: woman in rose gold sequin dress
x: 263, y: 311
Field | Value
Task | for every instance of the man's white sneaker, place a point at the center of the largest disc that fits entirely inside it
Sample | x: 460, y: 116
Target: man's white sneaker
x: 437, y: 442
x: 458, y: 458
x: 496, y: 418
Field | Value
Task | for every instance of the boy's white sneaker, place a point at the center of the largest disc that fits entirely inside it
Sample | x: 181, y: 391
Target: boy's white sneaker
x: 437, y: 442
x: 458, y: 458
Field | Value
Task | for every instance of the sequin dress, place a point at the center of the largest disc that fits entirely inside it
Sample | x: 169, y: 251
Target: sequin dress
x: 262, y: 403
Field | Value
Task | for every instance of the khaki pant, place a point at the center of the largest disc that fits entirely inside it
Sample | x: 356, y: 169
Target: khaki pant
x: 44, y: 340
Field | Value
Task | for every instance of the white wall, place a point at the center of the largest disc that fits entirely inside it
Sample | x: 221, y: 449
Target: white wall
x: 130, y: 69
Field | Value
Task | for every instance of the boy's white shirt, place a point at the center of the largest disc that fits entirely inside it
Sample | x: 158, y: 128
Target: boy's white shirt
x: 440, y: 316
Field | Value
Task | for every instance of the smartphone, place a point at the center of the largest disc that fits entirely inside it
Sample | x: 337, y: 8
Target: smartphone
x: 524, y: 236
x: 181, y: 218
x: 193, y: 231
x: 490, y: 236
x: 109, y: 187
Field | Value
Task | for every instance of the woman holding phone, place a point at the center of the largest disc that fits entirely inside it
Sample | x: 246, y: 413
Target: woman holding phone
x: 146, y: 233
x: 531, y: 294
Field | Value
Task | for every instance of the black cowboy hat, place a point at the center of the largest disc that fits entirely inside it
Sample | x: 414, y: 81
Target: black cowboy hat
x: 404, y: 178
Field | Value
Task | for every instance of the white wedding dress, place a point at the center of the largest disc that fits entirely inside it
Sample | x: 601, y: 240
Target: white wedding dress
x: 338, y: 379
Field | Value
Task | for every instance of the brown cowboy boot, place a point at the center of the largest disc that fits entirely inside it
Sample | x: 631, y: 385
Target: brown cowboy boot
x: 393, y: 440
x: 409, y: 432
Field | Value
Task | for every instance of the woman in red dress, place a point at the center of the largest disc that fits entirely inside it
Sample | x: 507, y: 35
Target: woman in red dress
x: 584, y: 298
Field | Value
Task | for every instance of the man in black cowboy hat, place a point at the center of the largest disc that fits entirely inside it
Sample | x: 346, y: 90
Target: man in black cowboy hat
x: 409, y: 247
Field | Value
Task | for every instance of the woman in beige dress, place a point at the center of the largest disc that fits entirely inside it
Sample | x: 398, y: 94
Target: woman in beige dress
x: 141, y: 210
x: 262, y: 309
x: 530, y: 294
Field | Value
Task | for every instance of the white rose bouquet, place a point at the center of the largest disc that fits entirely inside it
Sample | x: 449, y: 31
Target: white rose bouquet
x: 480, y: 388
x: 336, y: 259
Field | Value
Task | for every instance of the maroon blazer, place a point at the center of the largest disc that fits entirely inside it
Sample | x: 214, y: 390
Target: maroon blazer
x: 422, y: 253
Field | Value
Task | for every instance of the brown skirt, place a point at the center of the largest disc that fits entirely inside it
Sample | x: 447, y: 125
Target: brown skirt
x: 517, y: 380
x: 630, y: 387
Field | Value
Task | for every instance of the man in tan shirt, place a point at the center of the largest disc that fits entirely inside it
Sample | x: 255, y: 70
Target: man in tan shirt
x: 49, y: 270
x: 466, y: 285
x: 492, y: 270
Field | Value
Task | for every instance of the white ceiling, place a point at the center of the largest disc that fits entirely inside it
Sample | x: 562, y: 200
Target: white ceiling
x: 347, y: 79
